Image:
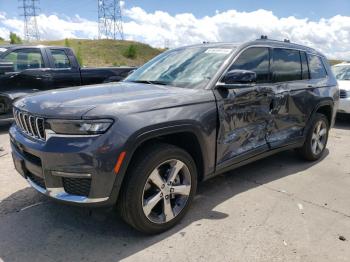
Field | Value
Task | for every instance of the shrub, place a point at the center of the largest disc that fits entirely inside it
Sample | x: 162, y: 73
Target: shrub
x: 15, y: 39
x: 131, y: 52
x: 66, y: 42
x: 80, y: 56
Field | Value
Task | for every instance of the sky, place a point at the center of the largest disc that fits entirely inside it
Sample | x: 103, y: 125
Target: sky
x: 322, y: 24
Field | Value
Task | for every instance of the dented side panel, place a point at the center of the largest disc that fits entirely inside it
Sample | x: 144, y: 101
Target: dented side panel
x: 243, y: 118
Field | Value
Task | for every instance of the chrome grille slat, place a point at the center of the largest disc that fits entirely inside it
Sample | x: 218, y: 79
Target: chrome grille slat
x: 30, y: 124
x: 343, y: 94
x: 26, y: 123
x: 20, y: 120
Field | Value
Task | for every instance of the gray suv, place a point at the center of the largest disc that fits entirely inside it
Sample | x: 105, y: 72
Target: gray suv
x: 187, y: 115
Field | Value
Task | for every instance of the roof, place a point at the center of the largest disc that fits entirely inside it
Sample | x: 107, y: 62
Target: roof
x: 29, y: 46
x: 265, y: 42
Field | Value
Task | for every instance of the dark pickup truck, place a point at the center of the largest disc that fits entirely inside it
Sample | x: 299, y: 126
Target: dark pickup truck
x: 28, y: 69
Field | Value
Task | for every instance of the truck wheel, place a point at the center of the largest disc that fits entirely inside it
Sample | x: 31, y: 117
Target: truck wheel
x: 316, y: 139
x: 158, y: 189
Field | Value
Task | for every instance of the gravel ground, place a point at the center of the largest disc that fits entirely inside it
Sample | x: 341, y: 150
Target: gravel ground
x: 277, y: 209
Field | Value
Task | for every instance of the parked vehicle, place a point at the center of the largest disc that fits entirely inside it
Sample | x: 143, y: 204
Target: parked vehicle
x: 28, y: 69
x: 342, y: 74
x: 187, y: 115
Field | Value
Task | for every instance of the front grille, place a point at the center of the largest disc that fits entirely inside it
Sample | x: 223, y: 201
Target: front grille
x: 31, y: 125
x: 37, y: 180
x: 77, y: 186
x: 343, y: 94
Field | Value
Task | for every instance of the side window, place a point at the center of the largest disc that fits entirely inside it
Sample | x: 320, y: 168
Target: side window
x: 316, y: 66
x: 286, y: 65
x: 60, y: 58
x: 255, y: 59
x: 23, y: 59
x: 304, y: 66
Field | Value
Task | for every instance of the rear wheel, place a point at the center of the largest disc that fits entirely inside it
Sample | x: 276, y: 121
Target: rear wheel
x: 158, y: 189
x: 316, y: 140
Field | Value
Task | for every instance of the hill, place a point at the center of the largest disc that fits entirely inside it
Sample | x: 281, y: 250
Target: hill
x: 98, y: 53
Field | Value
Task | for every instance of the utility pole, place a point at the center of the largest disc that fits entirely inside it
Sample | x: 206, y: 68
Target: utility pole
x: 110, y: 20
x: 30, y: 12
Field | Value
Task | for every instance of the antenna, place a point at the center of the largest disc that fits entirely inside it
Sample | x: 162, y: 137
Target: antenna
x: 30, y: 12
x: 110, y: 21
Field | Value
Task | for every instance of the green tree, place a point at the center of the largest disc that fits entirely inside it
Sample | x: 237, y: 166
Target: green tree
x: 15, y: 39
x: 131, y: 52
x: 66, y: 42
x: 80, y: 56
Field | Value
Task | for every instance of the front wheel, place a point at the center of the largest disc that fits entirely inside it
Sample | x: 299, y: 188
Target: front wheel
x: 158, y: 189
x: 316, y: 139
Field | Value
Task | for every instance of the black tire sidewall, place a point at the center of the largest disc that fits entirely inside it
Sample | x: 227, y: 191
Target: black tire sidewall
x: 138, y: 178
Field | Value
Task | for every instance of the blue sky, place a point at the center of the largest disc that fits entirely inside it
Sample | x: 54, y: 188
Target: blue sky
x: 322, y: 24
x: 311, y: 9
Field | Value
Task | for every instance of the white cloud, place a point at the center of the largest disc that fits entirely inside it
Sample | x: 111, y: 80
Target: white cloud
x: 332, y: 36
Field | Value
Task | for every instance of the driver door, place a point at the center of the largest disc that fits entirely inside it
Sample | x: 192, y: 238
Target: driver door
x: 244, y: 112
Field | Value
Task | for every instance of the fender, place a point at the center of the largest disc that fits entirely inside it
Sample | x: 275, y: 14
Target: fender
x: 323, y: 102
x: 144, y: 135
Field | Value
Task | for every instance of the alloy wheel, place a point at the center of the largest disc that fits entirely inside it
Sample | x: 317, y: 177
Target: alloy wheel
x: 166, y: 191
x: 319, y: 137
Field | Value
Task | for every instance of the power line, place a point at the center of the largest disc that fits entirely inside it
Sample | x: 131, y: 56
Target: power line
x: 110, y: 20
x: 30, y: 12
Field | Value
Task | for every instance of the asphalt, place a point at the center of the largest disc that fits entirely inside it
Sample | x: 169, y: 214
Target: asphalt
x: 277, y: 209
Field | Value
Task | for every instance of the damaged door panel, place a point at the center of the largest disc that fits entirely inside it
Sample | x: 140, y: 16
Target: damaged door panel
x: 244, y: 112
x: 288, y: 112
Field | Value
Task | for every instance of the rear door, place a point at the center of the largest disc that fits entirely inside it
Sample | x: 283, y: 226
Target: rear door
x: 245, y: 111
x: 65, y: 70
x: 291, y: 85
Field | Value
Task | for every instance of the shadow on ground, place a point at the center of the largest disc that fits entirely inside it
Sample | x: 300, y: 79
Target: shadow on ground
x: 54, y: 232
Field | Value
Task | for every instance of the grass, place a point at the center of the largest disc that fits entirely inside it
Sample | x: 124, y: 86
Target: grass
x: 98, y: 53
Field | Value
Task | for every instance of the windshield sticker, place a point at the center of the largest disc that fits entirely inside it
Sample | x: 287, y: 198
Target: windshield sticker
x: 218, y: 51
x: 3, y: 49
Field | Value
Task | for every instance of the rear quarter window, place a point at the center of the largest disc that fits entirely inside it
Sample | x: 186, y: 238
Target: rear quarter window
x: 317, y: 68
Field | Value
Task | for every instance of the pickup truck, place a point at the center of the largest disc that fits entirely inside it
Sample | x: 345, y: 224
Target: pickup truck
x: 28, y: 69
x: 189, y: 114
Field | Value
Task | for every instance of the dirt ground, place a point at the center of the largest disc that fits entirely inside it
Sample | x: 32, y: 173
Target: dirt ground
x: 277, y: 209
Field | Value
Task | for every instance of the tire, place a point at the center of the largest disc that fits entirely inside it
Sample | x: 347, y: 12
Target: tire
x: 147, y: 180
x: 308, y: 151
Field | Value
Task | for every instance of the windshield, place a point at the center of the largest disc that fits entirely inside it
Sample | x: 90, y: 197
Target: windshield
x: 342, y: 72
x: 191, y: 67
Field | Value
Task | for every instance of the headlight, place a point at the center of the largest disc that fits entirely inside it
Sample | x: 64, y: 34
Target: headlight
x: 79, y: 127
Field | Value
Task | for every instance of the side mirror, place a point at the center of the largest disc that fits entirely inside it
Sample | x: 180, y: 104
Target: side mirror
x: 239, y: 77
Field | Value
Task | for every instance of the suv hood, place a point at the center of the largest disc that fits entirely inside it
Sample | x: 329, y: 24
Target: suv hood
x: 344, y: 84
x: 111, y: 98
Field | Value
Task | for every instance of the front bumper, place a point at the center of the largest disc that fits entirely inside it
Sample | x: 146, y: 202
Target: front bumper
x: 76, y: 170
x: 344, y: 105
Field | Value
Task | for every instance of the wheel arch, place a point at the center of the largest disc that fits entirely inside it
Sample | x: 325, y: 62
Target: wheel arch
x: 185, y: 136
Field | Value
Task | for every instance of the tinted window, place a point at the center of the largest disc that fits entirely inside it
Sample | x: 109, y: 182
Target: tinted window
x: 255, y: 59
x: 23, y: 59
x: 316, y: 66
x: 286, y: 65
x: 304, y: 65
x: 60, y: 59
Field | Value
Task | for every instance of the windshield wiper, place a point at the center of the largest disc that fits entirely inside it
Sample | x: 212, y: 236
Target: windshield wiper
x: 150, y: 82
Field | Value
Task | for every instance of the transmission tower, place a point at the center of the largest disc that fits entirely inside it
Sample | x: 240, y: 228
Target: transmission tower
x: 110, y: 22
x: 30, y: 12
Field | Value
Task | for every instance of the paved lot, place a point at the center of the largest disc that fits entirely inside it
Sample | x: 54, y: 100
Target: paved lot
x: 278, y: 209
